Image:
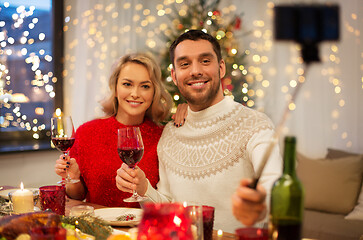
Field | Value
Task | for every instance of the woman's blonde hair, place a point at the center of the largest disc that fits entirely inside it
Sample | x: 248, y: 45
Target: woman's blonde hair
x: 159, y: 109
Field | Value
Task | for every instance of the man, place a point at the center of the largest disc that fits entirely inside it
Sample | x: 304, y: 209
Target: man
x: 220, y: 142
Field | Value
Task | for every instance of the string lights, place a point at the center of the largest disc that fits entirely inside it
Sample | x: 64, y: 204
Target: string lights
x: 20, y: 39
x: 150, y: 23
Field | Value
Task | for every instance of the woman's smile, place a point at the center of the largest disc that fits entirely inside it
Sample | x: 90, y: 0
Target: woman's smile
x: 134, y: 103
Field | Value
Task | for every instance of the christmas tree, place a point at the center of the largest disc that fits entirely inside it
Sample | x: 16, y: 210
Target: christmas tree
x: 205, y: 15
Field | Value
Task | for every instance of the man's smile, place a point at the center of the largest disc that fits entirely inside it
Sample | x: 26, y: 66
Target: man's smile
x: 198, y: 83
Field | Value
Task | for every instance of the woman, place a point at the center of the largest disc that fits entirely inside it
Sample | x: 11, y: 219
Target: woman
x: 138, y: 98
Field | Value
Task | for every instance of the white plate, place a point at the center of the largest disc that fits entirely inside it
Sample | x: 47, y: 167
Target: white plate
x: 109, y: 215
x: 116, y: 231
x: 4, y: 193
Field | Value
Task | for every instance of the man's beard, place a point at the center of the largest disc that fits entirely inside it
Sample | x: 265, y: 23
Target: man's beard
x: 203, y: 101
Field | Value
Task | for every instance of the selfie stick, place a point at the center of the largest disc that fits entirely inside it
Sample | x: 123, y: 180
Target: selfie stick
x: 275, y: 137
x: 307, y: 25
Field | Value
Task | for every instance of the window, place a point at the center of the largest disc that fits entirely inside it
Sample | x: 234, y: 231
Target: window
x: 31, y: 49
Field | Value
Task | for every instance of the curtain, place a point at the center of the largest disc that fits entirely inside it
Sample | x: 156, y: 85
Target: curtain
x: 97, y: 33
x: 328, y: 111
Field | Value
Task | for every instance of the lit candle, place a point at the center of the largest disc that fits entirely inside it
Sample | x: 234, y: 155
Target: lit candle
x: 220, y: 234
x: 22, y: 200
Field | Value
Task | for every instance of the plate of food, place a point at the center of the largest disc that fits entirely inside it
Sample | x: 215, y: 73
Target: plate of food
x: 120, y: 216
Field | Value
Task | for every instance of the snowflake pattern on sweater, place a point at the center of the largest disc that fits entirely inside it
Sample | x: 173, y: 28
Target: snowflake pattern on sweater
x: 203, y: 147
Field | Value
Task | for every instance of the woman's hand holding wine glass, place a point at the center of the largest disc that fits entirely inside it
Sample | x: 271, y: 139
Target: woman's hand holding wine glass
x: 65, y: 165
x: 63, y: 137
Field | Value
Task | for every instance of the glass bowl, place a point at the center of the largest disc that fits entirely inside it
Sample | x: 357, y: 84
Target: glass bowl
x: 79, y: 210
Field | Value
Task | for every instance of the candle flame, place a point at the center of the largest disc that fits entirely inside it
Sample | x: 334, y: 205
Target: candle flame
x: 58, y: 112
x: 220, y: 233
x: 22, y: 186
x: 185, y: 204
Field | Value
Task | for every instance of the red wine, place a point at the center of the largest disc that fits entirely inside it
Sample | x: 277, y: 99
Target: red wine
x: 286, y: 232
x: 63, y: 144
x: 208, y: 230
x: 130, y: 156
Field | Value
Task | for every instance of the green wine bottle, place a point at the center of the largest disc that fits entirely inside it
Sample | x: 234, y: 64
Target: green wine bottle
x: 287, y: 199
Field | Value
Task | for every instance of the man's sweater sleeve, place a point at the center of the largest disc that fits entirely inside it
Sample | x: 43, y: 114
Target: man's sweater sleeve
x: 163, y: 192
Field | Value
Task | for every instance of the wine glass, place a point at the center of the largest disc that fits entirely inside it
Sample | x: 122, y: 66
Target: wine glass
x: 63, y: 138
x: 130, y: 149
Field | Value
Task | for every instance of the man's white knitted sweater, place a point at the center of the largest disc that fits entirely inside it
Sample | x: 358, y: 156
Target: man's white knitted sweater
x: 204, y: 160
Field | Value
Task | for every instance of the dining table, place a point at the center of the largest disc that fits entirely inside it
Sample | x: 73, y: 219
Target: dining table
x: 72, y: 202
x: 217, y: 235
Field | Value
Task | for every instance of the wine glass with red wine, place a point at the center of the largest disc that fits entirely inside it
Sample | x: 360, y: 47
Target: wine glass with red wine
x: 63, y: 138
x: 130, y: 149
